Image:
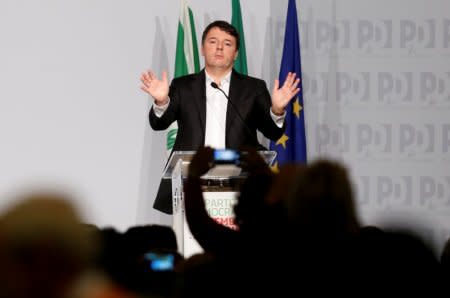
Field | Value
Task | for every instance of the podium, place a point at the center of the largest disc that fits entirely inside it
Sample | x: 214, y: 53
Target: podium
x: 220, y: 188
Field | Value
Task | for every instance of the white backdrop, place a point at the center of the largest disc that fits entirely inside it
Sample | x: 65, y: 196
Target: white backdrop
x: 376, y: 86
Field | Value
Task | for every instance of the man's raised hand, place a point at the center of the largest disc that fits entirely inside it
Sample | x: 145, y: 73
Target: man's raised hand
x: 282, y: 96
x: 156, y: 88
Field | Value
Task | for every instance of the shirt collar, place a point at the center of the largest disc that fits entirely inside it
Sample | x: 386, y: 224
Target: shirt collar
x: 226, y: 78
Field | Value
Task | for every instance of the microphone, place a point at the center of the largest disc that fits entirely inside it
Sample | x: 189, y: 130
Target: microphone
x: 247, y: 129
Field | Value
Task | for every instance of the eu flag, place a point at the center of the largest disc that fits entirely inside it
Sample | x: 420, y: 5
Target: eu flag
x: 291, y: 147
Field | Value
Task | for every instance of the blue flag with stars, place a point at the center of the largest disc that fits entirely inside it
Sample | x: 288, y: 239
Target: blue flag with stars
x: 291, y: 147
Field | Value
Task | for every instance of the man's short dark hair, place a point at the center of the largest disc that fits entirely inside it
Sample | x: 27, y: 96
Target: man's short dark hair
x: 224, y: 26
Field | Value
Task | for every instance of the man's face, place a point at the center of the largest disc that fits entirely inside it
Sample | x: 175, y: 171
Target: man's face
x: 219, y: 49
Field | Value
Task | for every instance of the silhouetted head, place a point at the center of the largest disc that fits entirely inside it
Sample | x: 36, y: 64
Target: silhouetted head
x: 251, y: 209
x: 321, y: 201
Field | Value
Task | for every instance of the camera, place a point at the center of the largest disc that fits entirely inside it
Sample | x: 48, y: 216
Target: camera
x: 226, y: 156
x: 160, y: 261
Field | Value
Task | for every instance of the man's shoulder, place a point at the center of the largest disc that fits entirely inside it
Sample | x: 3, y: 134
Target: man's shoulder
x: 249, y: 80
x: 186, y: 78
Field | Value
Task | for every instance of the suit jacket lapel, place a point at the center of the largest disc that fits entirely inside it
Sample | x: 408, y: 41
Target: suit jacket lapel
x: 199, y: 97
x: 234, y: 92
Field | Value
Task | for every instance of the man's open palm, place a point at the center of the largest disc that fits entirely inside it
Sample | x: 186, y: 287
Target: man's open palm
x: 282, y: 96
x: 158, y: 89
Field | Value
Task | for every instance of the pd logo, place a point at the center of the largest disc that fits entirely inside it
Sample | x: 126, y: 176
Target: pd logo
x: 350, y: 87
x: 418, y: 34
x: 332, y: 138
x: 395, y: 86
x: 417, y: 139
x: 434, y: 88
x: 374, y: 34
x: 434, y: 192
x: 387, y: 192
x: 372, y: 139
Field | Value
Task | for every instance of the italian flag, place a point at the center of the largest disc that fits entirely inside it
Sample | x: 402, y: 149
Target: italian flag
x: 186, y: 59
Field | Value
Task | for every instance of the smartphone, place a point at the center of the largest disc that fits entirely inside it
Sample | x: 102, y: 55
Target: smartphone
x: 158, y: 261
x: 226, y: 156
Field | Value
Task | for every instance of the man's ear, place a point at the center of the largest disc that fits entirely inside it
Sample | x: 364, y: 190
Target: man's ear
x: 202, y: 51
x: 236, y: 55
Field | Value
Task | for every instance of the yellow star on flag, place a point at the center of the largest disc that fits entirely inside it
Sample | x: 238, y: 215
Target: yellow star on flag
x: 275, y: 168
x: 282, y: 141
x: 296, y: 108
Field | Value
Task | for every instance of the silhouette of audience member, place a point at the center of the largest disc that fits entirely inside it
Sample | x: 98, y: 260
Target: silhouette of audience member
x: 141, y: 242
x: 323, y: 218
x: 199, y: 276
x: 112, y: 255
x: 316, y: 204
x: 404, y: 261
x: 255, y: 246
x: 212, y: 236
x: 151, y: 237
x: 46, y: 252
x: 44, y: 248
x: 445, y: 259
x: 321, y: 203
x: 323, y: 224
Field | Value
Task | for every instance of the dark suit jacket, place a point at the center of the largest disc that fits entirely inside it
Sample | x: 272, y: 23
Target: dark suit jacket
x: 250, y: 98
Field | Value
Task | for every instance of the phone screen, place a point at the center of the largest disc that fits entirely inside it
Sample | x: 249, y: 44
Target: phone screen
x: 222, y: 156
x: 160, y: 261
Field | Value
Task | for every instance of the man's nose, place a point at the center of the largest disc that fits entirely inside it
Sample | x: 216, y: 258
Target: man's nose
x: 219, y: 45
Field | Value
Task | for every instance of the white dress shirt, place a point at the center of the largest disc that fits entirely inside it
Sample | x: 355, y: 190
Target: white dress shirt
x: 216, y: 112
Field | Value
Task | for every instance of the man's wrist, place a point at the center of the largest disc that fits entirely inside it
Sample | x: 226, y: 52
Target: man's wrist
x: 277, y: 112
x: 161, y: 103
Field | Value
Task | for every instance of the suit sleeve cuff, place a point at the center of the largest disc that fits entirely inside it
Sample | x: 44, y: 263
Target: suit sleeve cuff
x: 159, y: 110
x: 279, y: 120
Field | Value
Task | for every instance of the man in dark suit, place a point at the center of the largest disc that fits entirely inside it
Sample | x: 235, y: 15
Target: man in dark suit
x: 199, y: 103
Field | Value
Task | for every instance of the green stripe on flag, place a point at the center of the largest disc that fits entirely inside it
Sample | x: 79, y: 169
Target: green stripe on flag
x: 240, y: 65
x: 194, y: 42
x: 181, y: 67
x: 171, y: 135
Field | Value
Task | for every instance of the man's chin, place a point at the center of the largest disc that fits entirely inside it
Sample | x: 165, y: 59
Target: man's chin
x: 220, y: 66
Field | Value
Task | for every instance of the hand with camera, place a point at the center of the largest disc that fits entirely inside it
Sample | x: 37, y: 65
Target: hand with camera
x: 201, y: 162
x: 211, y: 235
